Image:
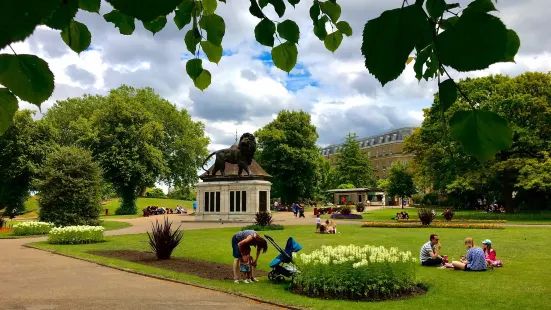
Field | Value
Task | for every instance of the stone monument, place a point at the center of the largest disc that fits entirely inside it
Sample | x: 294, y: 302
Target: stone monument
x: 228, y: 195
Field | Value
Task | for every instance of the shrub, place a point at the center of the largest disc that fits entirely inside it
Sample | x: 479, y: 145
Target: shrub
x: 435, y: 224
x: 155, y: 193
x: 263, y: 228
x: 70, y: 186
x: 430, y: 199
x: 354, y: 272
x: 2, y: 221
x: 448, y: 214
x: 163, y: 240
x: 263, y: 218
x: 32, y: 228
x: 345, y: 210
x: 360, y: 207
x: 346, y: 216
x: 425, y: 216
x: 76, y: 234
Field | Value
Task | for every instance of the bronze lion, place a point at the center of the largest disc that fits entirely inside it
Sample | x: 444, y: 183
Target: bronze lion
x: 242, y: 156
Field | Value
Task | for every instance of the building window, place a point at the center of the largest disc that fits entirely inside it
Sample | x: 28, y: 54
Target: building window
x: 238, y: 201
x: 377, y: 153
x: 212, y: 202
x: 263, y: 201
x: 368, y: 154
x: 384, y: 152
x: 390, y: 150
x: 377, y: 166
x: 372, y: 141
x: 384, y: 166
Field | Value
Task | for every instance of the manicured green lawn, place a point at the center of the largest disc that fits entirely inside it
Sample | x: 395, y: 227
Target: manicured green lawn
x: 522, y: 284
x: 142, y: 203
x: 108, y: 225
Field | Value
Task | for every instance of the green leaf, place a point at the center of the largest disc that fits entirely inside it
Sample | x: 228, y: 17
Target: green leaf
x: 432, y: 67
x: 194, y: 67
x: 333, y: 41
x: 285, y: 56
x: 27, y: 76
x: 421, y: 59
x: 345, y: 28
x: 293, y: 2
x: 513, y: 44
x: 389, y: 39
x: 187, y: 6
x: 447, y: 92
x: 8, y: 107
x: 263, y: 3
x: 155, y: 25
x: 192, y: 38
x: 319, y: 28
x: 182, y: 18
x: 145, y: 10
x: 215, y: 27
x: 203, y: 80
x: 19, y: 18
x: 264, y: 32
x: 279, y: 7
x: 289, y: 31
x: 90, y: 5
x: 209, y: 6
x: 436, y: 8
x: 77, y: 36
x: 452, y: 6
x: 333, y: 10
x: 480, y: 6
x: 213, y: 52
x: 475, y: 42
x: 123, y: 22
x: 62, y: 16
x: 481, y: 133
x: 255, y: 10
x: 446, y: 24
x: 315, y: 11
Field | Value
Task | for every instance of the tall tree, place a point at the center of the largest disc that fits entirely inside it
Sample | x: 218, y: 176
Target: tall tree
x: 353, y: 166
x: 524, y: 102
x: 400, y: 182
x: 288, y: 151
x: 23, y: 148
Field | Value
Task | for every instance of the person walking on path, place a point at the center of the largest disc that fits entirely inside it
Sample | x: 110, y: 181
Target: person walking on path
x: 240, y: 241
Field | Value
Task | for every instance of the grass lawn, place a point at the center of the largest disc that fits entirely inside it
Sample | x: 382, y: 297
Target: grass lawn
x: 108, y: 225
x: 141, y: 203
x: 522, y: 284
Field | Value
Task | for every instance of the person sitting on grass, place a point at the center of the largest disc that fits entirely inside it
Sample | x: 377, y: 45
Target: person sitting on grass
x: 474, y: 261
x: 490, y: 254
x: 245, y: 266
x: 318, y: 223
x: 430, y: 252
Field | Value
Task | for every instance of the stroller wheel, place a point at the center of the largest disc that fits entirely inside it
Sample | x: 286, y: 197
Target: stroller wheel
x: 271, y: 275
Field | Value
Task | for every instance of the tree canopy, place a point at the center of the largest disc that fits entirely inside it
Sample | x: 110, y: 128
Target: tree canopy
x: 353, y: 166
x: 525, y: 103
x: 400, y: 181
x: 288, y: 151
x: 434, y: 33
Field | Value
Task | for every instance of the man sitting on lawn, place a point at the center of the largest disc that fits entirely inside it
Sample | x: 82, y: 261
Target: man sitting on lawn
x: 430, y: 252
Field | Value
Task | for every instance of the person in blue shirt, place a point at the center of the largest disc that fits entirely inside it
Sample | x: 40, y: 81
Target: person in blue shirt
x: 194, y: 206
x: 474, y: 260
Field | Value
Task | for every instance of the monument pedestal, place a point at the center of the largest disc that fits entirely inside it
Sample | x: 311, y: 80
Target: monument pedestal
x: 232, y: 200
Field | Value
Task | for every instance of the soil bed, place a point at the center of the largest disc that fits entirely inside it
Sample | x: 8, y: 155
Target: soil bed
x: 196, y: 267
x: 419, y: 289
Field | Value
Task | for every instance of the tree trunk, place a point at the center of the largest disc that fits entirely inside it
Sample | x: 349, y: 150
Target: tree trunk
x: 128, y: 201
x: 508, y: 200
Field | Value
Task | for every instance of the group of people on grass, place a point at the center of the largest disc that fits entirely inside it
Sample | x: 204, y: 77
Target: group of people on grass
x: 401, y: 216
x: 155, y: 210
x: 476, y: 259
x: 327, y: 227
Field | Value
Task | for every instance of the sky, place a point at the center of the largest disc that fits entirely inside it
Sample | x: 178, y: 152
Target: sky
x: 247, y: 91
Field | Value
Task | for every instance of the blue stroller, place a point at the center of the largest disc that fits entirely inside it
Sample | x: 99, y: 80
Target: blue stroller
x: 283, y: 265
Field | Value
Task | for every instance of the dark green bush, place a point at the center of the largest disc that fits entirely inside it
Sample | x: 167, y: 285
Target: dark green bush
x: 448, y: 214
x: 425, y: 215
x: 155, y: 193
x: 360, y: 207
x: 263, y: 218
x: 70, y: 186
x: 263, y: 228
x: 345, y: 209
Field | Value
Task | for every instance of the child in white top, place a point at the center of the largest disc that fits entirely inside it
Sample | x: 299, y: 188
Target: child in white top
x: 318, y: 223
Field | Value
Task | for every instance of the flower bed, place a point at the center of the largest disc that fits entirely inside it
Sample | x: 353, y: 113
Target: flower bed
x: 76, y: 234
x: 433, y: 225
x: 31, y: 228
x: 459, y: 220
x: 346, y: 216
x: 5, y: 229
x: 357, y: 273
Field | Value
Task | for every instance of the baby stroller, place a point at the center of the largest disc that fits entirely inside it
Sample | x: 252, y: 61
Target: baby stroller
x: 280, y: 271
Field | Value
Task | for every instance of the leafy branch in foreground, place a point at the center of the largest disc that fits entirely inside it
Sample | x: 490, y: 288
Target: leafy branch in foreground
x: 439, y: 34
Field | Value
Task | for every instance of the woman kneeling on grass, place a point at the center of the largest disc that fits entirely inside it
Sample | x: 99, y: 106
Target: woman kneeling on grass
x: 475, y: 260
x: 240, y: 242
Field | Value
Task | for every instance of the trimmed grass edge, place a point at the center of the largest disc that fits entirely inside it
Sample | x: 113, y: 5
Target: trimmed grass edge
x: 208, y: 287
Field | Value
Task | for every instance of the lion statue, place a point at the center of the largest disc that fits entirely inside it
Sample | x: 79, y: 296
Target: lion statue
x: 242, y: 156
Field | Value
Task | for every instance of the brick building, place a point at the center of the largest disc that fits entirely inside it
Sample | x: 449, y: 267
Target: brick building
x: 383, y: 150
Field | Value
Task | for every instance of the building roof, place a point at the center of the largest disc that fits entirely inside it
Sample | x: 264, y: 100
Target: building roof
x: 390, y: 136
x: 361, y: 189
x: 231, y: 171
